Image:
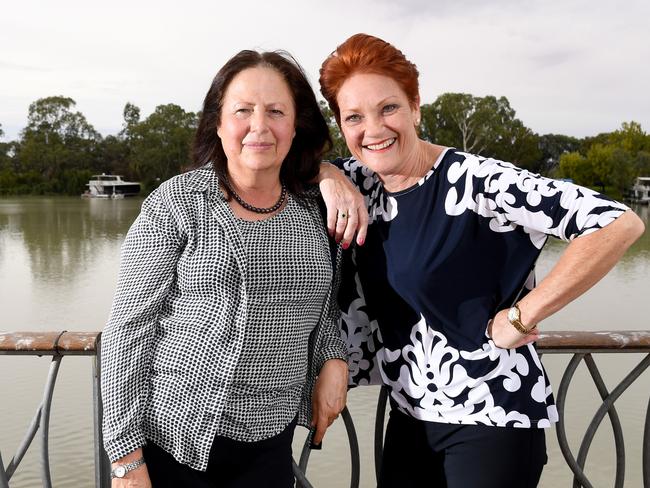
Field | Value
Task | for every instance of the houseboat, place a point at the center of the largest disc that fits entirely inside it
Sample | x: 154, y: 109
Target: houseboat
x: 110, y: 186
x: 640, y: 192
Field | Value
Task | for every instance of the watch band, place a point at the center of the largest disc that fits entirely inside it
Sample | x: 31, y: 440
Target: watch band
x: 514, y: 317
x: 120, y: 470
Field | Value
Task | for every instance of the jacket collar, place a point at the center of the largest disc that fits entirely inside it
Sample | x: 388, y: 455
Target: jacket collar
x: 202, y: 179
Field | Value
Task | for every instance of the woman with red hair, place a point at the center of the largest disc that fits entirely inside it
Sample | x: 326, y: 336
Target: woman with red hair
x: 440, y: 304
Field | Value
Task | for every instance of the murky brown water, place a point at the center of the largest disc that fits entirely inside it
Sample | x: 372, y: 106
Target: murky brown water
x: 58, y: 265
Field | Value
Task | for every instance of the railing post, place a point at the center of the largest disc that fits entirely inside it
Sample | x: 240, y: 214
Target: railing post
x: 4, y: 482
x: 102, y: 464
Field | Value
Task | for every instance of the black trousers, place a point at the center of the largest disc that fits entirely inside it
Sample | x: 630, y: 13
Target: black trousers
x: 435, y: 455
x: 232, y: 464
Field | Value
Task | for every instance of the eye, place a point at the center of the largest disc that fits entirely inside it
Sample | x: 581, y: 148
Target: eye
x: 243, y: 111
x: 353, y: 118
x: 276, y: 112
x: 390, y: 108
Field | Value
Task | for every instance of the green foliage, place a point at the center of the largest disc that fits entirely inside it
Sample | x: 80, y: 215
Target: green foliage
x: 56, y: 142
x: 59, y: 150
x: 631, y: 138
x: 339, y: 149
x: 482, y: 125
x: 609, y: 161
x: 552, y: 146
x: 611, y: 166
x: 575, y: 166
x: 160, y: 145
x: 5, y: 159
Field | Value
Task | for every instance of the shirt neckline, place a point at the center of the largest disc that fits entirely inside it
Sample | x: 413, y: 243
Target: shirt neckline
x: 422, y: 180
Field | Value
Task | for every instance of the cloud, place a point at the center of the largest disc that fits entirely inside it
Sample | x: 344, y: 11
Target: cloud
x: 571, y: 66
x: 5, y: 65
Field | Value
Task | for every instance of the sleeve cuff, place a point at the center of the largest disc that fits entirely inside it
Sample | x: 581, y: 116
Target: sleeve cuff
x: 334, y: 351
x: 123, y: 445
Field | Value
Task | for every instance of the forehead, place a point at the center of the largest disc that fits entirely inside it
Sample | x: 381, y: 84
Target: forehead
x: 368, y: 88
x: 259, y: 82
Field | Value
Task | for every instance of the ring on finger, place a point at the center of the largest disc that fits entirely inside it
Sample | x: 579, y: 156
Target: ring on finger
x: 342, y: 214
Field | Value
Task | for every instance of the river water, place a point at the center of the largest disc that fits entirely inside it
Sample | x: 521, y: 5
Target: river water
x: 59, y: 259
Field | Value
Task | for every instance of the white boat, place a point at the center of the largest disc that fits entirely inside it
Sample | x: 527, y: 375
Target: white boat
x: 110, y: 186
x: 640, y: 191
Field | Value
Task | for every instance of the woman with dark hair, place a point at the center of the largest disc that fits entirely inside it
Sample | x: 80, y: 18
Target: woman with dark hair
x: 222, y: 335
x: 440, y: 304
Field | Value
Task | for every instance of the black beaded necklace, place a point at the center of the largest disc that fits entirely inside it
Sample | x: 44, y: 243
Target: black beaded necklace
x: 253, y: 208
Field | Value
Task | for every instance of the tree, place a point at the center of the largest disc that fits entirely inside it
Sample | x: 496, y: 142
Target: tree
x: 113, y: 156
x: 160, y: 145
x: 5, y: 159
x: 56, y: 142
x: 131, y: 115
x: 482, y: 125
x: 642, y: 163
x: 464, y: 121
x: 518, y: 145
x: 339, y: 148
x: 576, y: 167
x: 612, y: 167
x: 552, y: 146
x: 631, y: 138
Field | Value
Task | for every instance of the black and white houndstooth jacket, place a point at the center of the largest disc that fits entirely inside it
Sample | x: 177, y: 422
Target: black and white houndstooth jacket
x: 177, y: 325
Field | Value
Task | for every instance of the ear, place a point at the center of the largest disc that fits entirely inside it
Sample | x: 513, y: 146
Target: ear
x: 415, y: 109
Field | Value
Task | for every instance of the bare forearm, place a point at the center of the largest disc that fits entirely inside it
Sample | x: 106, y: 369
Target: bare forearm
x: 585, y: 261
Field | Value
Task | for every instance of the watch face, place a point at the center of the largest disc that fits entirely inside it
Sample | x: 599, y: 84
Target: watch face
x: 513, y: 314
x: 120, y: 471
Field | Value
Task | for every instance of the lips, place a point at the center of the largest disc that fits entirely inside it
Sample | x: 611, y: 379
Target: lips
x: 258, y: 145
x: 380, y: 145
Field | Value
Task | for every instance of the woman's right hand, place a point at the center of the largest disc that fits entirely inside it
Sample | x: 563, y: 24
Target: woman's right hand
x: 346, y: 208
x: 505, y: 336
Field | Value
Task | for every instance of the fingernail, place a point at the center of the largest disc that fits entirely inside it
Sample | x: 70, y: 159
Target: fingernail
x: 361, y: 242
x: 346, y: 245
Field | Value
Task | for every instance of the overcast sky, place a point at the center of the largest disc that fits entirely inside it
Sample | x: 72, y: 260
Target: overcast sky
x: 567, y: 66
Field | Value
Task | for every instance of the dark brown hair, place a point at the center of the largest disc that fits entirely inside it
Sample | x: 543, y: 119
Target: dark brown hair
x: 363, y: 53
x: 312, y: 137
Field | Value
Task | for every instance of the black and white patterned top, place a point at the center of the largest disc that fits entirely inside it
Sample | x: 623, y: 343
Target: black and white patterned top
x: 179, y: 322
x: 285, y: 299
x: 440, y: 259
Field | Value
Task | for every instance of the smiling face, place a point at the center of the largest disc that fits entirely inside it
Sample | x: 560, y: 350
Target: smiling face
x: 257, y: 121
x: 378, y: 122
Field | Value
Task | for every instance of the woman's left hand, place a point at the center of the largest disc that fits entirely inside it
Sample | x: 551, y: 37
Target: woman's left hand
x: 330, y: 394
x: 346, y: 208
x: 506, y: 336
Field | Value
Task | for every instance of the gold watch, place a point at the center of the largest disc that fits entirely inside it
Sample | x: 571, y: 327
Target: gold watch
x: 514, y: 317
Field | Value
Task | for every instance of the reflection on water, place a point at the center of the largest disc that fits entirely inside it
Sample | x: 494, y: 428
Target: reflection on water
x: 60, y: 235
x: 58, y: 266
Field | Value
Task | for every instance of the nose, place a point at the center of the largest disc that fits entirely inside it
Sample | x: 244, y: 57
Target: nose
x: 258, y: 122
x: 373, y: 126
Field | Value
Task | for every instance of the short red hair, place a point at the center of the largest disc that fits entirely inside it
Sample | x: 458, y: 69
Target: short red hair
x: 363, y: 53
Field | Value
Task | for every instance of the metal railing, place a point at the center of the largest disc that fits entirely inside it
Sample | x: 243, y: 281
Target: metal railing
x: 581, y: 345
x: 57, y: 345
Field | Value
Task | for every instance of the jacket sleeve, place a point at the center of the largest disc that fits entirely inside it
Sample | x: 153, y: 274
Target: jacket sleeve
x: 147, y: 271
x: 331, y: 345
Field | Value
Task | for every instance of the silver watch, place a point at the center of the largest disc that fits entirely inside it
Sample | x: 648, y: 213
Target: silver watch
x: 120, y: 470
